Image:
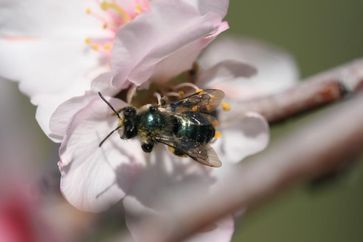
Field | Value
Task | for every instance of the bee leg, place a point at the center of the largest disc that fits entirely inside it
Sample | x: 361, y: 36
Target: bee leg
x: 147, y: 147
x: 178, y: 152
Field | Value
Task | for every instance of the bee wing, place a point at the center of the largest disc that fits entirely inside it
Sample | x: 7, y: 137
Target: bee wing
x: 204, y: 101
x: 202, y: 153
x: 205, y: 154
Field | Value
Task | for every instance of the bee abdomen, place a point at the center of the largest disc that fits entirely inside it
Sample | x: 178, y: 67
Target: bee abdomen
x: 194, y: 126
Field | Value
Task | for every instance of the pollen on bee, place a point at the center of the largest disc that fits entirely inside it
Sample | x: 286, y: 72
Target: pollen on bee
x: 215, y: 123
x: 195, y: 108
x: 218, y: 134
x: 226, y: 106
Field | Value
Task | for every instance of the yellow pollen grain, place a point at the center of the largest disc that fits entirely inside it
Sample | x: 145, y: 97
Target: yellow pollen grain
x: 138, y: 8
x: 218, y: 135
x: 87, y: 41
x: 95, y: 47
x: 118, y: 9
x: 88, y: 11
x: 107, y: 47
x: 226, y: 106
x: 195, y: 108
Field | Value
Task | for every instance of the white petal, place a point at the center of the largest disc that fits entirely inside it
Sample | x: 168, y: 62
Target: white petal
x: 153, y: 37
x: 94, y: 178
x: 45, y: 18
x: 48, y: 66
x: 276, y: 69
x: 166, y: 172
x: 49, y: 71
x: 243, y: 134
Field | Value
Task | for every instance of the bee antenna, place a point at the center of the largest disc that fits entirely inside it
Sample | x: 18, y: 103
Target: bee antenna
x: 108, y: 136
x: 109, y: 104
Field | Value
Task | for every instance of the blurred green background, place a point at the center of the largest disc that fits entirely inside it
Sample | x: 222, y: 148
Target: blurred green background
x: 320, y: 34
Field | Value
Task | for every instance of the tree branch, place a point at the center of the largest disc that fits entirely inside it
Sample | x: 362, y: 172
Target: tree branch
x: 319, y: 147
x: 312, y: 93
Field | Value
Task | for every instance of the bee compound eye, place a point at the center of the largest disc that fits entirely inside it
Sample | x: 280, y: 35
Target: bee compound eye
x: 147, y: 148
x: 129, y: 111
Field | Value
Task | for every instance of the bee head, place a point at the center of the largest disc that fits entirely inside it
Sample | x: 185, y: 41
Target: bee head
x: 129, y: 122
x: 127, y: 118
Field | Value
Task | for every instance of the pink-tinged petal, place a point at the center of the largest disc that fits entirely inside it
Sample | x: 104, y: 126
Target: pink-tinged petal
x: 220, y: 7
x: 243, y: 134
x: 226, y: 71
x: 64, y: 113
x: 276, y: 69
x: 161, y: 33
x: 93, y: 177
x: 46, y: 18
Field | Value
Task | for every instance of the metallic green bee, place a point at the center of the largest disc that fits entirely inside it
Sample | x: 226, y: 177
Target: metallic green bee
x: 185, y: 126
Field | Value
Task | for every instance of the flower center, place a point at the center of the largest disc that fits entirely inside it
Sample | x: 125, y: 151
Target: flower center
x: 169, y: 92
x: 112, y: 15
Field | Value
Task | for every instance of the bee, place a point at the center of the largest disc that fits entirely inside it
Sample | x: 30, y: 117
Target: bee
x: 185, y: 126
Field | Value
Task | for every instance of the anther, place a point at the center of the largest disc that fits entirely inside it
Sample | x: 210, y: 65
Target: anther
x: 226, y: 106
x: 107, y: 47
x: 218, y: 134
x: 88, y: 11
x: 115, y: 7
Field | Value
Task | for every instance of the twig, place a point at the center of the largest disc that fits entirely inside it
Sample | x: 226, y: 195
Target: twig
x: 315, y: 149
x: 312, y: 93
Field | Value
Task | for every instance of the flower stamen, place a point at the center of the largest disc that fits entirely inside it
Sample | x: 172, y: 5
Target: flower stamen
x: 218, y: 134
x: 117, y: 9
x: 226, y: 106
